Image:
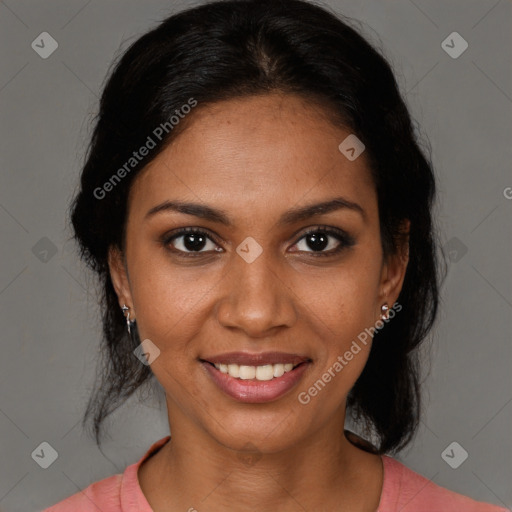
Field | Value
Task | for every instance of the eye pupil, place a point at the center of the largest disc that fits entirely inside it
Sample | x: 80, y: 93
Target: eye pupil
x: 317, y: 241
x: 194, y: 241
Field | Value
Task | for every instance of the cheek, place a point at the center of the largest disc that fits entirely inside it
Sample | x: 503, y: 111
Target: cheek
x: 170, y: 307
x: 345, y: 300
x: 341, y: 308
x: 170, y: 302
x: 343, y: 316
x: 172, y: 316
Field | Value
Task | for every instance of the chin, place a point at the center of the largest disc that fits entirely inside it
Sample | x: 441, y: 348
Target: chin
x: 256, y: 430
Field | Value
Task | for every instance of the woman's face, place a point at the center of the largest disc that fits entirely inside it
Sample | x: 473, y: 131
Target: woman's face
x: 256, y: 291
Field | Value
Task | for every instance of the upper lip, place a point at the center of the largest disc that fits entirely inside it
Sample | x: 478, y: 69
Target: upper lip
x: 259, y: 359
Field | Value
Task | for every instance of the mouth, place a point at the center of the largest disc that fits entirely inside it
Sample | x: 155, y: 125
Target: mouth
x: 256, y: 378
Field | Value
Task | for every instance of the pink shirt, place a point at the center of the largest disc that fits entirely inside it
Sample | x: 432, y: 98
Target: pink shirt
x: 403, y: 491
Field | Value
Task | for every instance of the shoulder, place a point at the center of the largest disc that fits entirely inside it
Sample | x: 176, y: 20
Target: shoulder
x: 117, y: 493
x: 408, y: 491
x: 102, y: 495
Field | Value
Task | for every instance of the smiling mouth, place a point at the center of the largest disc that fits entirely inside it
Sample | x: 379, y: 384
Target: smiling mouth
x: 263, y: 373
x: 256, y: 378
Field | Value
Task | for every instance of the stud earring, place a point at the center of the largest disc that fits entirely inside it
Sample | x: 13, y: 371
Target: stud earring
x: 384, y: 311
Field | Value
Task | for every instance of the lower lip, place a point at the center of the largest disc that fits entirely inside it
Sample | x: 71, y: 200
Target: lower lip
x: 256, y: 391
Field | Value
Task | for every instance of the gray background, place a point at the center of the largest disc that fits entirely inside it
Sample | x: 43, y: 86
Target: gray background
x: 48, y: 309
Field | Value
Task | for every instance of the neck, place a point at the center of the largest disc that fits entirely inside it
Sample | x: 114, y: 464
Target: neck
x: 194, y: 471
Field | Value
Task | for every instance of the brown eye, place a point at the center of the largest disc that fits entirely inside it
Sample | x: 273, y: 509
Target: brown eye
x: 190, y: 241
x: 319, y: 239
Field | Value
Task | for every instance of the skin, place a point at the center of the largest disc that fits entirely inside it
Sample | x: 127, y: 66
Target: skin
x: 256, y: 158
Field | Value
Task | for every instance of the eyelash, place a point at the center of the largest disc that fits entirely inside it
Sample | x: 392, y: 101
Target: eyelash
x: 344, y: 238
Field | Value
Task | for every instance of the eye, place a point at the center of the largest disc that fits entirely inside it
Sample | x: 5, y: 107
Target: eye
x: 318, y: 240
x: 190, y: 239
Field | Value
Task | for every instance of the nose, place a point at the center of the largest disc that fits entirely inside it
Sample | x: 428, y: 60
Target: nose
x: 255, y: 297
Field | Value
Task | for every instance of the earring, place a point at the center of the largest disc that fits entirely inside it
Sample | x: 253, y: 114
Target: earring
x: 128, y: 323
x: 384, y: 311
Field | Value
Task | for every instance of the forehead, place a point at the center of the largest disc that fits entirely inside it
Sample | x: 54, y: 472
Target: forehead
x: 268, y: 150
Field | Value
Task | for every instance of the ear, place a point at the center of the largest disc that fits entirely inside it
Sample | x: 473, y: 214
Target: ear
x: 394, y: 268
x: 119, y: 277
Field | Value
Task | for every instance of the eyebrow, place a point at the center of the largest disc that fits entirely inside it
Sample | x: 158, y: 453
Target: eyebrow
x: 289, y: 217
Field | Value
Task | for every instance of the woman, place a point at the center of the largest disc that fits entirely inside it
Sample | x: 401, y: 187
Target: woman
x: 258, y: 211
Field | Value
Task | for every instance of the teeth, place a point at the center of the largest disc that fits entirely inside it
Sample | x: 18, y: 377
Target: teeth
x: 234, y: 370
x: 247, y: 372
x: 265, y: 372
x: 278, y: 370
